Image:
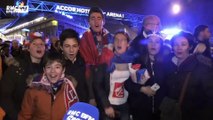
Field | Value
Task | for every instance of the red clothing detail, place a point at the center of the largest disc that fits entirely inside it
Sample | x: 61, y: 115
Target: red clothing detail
x: 90, y: 54
x: 89, y: 50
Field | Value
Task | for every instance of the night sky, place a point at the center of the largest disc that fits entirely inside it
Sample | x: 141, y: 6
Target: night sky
x: 193, y: 12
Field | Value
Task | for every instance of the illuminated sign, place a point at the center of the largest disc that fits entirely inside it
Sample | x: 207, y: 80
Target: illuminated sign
x: 113, y: 14
x: 85, y: 11
x: 20, y: 7
x: 72, y: 9
x: 20, y: 2
x: 17, y: 9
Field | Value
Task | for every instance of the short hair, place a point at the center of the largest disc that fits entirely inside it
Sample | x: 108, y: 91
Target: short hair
x: 52, y: 57
x: 150, y: 17
x: 15, y: 41
x: 187, y: 35
x: 199, y: 29
x: 96, y: 10
x: 4, y: 45
x: 7, y: 42
x: 123, y: 33
x: 68, y: 33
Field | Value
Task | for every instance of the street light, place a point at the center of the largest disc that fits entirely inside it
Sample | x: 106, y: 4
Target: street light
x: 176, y: 8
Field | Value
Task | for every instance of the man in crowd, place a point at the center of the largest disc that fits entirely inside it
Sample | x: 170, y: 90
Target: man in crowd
x: 202, y: 36
x: 151, y: 24
x: 95, y: 46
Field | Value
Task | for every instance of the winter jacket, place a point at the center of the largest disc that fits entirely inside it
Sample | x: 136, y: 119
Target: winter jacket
x: 77, y: 70
x: 90, y: 51
x: 141, y: 105
x: 197, y: 103
x: 13, y: 85
x: 93, y: 55
x: 40, y: 103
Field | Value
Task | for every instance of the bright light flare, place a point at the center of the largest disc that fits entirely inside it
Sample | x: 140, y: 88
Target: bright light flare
x: 176, y: 8
x: 170, y: 32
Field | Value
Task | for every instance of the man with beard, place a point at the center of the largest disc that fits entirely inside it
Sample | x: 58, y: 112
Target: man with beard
x: 202, y: 36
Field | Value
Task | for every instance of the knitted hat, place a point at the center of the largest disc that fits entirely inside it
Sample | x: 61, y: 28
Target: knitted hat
x: 82, y: 111
x: 34, y: 35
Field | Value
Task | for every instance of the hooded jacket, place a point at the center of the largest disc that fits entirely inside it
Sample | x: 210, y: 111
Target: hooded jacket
x: 13, y: 84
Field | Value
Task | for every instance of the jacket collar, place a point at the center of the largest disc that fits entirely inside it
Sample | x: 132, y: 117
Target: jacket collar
x: 187, y: 65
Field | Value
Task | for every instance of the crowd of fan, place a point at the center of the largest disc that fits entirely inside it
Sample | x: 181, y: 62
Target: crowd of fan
x: 146, y: 78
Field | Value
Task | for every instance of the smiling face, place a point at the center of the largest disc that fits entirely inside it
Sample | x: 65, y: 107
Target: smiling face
x: 54, y: 71
x: 37, y: 49
x: 96, y: 22
x: 120, y: 43
x: 70, y: 48
x: 154, y: 45
x: 181, y: 48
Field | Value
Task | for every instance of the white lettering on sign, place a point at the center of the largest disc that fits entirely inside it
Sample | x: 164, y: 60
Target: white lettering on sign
x: 17, y: 9
x: 72, y: 118
x: 77, y: 115
x: 86, y: 116
x: 85, y: 11
x: 74, y: 113
x: 66, y: 8
x: 72, y: 9
x: 82, y: 10
x: 112, y: 14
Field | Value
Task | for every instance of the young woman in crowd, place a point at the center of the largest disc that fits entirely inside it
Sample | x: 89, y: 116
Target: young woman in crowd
x: 109, y: 83
x: 75, y: 65
x: 190, y: 80
x: 143, y: 99
x: 13, y: 84
x: 49, y: 95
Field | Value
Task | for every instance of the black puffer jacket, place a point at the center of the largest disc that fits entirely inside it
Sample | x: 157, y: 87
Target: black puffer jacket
x: 77, y: 70
x: 141, y: 105
x: 13, y: 84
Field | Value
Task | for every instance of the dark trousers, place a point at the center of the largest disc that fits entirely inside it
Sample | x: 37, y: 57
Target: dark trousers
x: 145, y: 115
x: 121, y: 113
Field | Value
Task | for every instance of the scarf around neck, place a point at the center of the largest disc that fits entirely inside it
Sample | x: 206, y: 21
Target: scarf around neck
x: 70, y: 95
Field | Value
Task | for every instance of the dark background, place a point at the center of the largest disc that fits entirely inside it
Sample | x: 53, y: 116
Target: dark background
x: 193, y: 12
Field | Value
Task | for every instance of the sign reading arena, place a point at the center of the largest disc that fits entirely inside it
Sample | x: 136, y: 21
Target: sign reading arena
x: 85, y: 11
